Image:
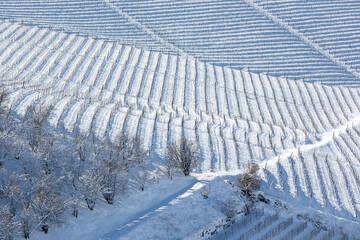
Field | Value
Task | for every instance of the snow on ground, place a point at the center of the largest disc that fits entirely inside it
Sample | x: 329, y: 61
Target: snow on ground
x: 177, y: 209
x: 107, y: 219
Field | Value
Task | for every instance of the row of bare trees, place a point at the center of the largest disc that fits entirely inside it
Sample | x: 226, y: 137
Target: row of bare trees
x: 46, y: 174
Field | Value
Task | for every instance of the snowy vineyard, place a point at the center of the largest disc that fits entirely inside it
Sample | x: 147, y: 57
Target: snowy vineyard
x: 259, y: 225
x: 314, y: 40
x: 305, y: 136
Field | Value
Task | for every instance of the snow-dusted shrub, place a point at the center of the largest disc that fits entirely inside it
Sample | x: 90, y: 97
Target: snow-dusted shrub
x: 229, y: 208
x: 249, y: 180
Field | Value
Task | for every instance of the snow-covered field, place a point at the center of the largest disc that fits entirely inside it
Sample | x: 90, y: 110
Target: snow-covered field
x: 160, y: 70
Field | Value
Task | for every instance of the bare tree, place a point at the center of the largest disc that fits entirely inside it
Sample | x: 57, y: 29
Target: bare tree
x: 116, y: 160
x: 112, y: 169
x: 91, y: 185
x: 142, y: 177
x: 81, y: 143
x: 34, y: 126
x: 3, y: 94
x: 171, y: 166
x: 7, y: 125
x: 26, y: 222
x: 110, y: 172
x: 73, y: 168
x: 130, y: 151
x: 5, y: 146
x: 18, y: 147
x: 183, y: 155
x: 47, y: 205
x: 27, y: 216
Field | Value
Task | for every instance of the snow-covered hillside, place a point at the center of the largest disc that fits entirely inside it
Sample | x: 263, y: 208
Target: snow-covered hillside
x: 311, y: 40
x: 163, y: 70
x: 307, y: 132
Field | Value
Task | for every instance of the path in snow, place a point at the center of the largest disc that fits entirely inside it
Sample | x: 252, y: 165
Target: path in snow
x: 153, y: 211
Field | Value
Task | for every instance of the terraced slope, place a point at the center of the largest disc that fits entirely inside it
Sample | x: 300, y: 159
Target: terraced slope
x: 311, y: 40
x: 260, y: 225
x: 304, y: 135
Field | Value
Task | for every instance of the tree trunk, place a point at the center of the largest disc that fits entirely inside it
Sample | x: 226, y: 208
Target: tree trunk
x: 75, y: 213
x: 109, y: 197
x: 26, y: 235
x: 45, y: 228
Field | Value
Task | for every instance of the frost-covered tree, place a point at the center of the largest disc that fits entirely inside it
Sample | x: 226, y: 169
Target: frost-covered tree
x: 115, y: 162
x: 91, y: 185
x: 6, y: 127
x: 27, y: 216
x: 141, y: 177
x: 47, y: 204
x: 26, y: 219
x: 171, y: 166
x: 81, y: 146
x: 5, y: 146
x: 112, y: 169
x: 33, y: 124
x: 73, y: 171
x: 9, y: 226
x: 10, y: 189
x: 130, y: 151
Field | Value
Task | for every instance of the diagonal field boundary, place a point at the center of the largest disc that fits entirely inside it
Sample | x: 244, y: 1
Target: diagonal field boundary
x: 304, y: 38
x: 146, y: 30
